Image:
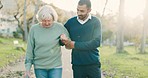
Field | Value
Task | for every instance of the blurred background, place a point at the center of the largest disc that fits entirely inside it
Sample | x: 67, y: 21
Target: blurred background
x: 124, y: 48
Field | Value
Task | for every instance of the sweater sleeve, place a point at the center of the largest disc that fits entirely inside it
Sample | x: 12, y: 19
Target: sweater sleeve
x: 29, y: 51
x: 64, y: 31
x: 91, y: 44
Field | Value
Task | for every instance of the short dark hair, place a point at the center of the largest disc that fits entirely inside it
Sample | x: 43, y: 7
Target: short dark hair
x: 87, y: 2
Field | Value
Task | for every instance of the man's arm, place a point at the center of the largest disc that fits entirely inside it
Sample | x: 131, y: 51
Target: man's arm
x: 92, y: 44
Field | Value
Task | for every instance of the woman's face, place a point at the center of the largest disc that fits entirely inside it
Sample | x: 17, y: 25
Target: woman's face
x: 47, y: 22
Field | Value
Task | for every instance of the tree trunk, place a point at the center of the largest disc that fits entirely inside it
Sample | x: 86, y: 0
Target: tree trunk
x: 35, y: 12
x: 120, y: 35
x: 1, y: 6
x: 104, y: 8
x: 143, y: 39
x: 25, y: 23
x: 19, y: 25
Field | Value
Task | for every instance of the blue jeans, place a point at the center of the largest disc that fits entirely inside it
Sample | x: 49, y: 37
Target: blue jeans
x: 48, y: 73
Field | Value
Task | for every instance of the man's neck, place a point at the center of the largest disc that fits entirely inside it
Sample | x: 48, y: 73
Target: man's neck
x: 85, y: 17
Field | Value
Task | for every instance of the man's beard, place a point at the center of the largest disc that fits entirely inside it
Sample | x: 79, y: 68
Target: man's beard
x: 82, y: 17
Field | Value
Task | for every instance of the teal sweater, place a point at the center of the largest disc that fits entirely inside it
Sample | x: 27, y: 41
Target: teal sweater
x: 43, y: 48
x: 87, y: 39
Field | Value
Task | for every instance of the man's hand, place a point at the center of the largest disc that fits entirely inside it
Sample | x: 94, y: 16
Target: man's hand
x: 68, y: 43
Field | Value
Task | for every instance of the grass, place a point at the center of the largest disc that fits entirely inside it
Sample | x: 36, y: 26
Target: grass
x: 8, y: 52
x: 114, y: 65
x: 123, y: 65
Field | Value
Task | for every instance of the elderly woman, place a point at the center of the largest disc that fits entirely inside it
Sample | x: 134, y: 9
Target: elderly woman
x: 43, y: 47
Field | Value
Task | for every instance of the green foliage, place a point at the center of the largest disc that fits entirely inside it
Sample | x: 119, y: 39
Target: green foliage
x: 8, y: 53
x: 18, y: 33
x: 1, y: 42
x: 107, y: 35
x: 15, y: 34
x: 123, y: 65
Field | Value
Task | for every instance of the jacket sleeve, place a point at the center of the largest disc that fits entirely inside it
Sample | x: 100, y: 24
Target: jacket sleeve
x: 29, y: 51
x: 94, y: 43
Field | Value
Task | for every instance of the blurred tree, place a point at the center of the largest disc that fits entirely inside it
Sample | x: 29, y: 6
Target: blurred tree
x: 16, y: 10
x: 36, y: 3
x: 25, y: 24
x: 63, y: 15
x: 108, y: 27
x: 107, y: 35
x: 143, y: 39
x: 104, y: 8
x: 18, y: 15
x: 1, y: 5
x: 120, y: 47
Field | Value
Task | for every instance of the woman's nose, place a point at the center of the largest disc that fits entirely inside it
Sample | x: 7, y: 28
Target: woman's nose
x: 47, y: 23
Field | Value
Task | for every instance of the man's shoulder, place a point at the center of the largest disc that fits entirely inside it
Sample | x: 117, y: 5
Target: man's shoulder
x: 73, y: 18
x: 94, y: 17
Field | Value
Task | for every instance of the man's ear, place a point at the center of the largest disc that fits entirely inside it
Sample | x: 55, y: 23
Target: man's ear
x: 89, y: 9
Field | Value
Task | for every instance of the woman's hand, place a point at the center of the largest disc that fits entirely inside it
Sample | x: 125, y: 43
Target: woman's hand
x: 27, y: 74
x: 64, y: 39
x: 68, y: 43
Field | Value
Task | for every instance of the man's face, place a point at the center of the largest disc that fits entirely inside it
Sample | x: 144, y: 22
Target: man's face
x: 47, y: 22
x: 83, y: 11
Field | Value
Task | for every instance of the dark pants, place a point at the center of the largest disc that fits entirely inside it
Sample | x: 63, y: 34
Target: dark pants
x: 87, y: 71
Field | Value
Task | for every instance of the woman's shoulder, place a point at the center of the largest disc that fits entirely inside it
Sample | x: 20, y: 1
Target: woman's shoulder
x: 58, y: 23
x: 35, y: 25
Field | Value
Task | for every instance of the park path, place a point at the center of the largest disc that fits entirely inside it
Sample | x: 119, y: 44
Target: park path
x: 17, y: 70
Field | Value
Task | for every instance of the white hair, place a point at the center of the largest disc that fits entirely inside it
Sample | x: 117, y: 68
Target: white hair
x: 45, y: 12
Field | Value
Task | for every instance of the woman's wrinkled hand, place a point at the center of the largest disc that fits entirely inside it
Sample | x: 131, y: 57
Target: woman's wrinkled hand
x: 64, y: 39
x: 27, y: 74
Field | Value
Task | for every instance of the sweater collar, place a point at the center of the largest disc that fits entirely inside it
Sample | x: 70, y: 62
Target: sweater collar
x: 81, y: 21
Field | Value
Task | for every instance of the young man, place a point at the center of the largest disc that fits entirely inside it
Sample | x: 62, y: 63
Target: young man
x: 85, y: 34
